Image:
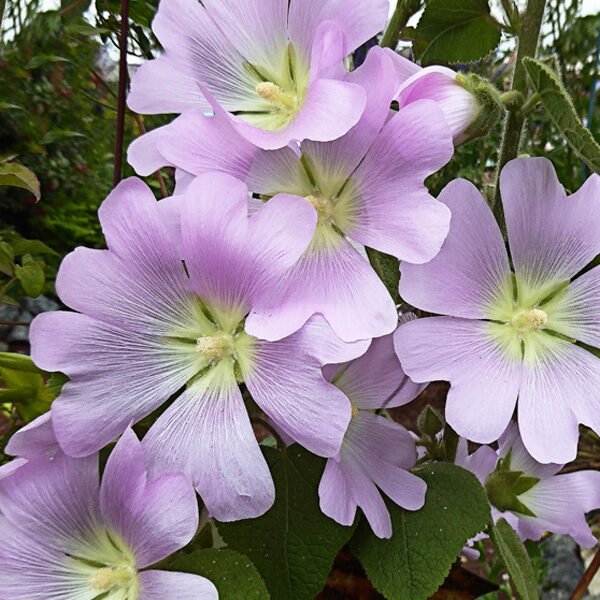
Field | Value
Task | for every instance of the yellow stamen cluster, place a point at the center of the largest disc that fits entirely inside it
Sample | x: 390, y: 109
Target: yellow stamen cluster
x: 109, y: 578
x: 277, y: 96
x: 529, y: 320
x: 215, y: 347
x: 322, y: 206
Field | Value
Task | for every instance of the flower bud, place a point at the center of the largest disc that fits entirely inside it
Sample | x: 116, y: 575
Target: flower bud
x: 430, y: 422
x: 470, y: 104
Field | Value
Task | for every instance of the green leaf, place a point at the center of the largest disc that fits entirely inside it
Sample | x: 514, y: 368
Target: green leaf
x: 31, y: 275
x: 414, y: 562
x: 559, y: 106
x: 21, y: 247
x: 388, y: 269
x: 18, y: 362
x: 452, y: 31
x: 515, y: 557
x: 44, y: 59
x: 55, y: 384
x: 9, y: 106
x: 294, y: 544
x: 7, y: 259
x: 233, y: 574
x: 59, y: 134
x: 17, y: 175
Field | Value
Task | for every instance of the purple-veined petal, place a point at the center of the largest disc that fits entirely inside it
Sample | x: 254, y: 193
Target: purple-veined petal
x: 332, y: 280
x: 394, y: 212
x: 405, y: 68
x: 159, y: 585
x: 472, y: 264
x: 155, y: 517
x: 117, y: 376
x: 481, y: 462
x: 360, y: 21
x: 335, y: 497
x: 144, y: 154
x: 551, y: 236
x: 206, y: 433
x: 286, y: 381
x: 559, y: 391
x: 485, y: 377
x: 34, y: 439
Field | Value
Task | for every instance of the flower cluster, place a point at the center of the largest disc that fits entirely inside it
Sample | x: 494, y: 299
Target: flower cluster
x: 249, y: 291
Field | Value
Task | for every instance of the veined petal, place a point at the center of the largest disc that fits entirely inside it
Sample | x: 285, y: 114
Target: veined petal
x: 332, y: 280
x: 559, y: 391
x: 158, y: 585
x: 481, y: 462
x: 393, y: 210
x: 360, y: 21
x: 262, y: 38
x: 117, y: 376
x: 233, y: 259
x: 575, y: 312
x: 55, y: 502
x: 560, y: 504
x: 473, y: 263
x: 286, y: 381
x: 404, y: 67
x: 335, y: 496
x: 551, y: 236
x: 485, y: 377
x: 143, y: 153
x: 155, y: 517
x: 375, y: 379
x: 206, y: 433
x: 36, y: 439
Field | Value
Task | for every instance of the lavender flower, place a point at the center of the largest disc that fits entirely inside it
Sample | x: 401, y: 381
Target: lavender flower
x: 525, y: 334
x: 533, y: 497
x: 376, y: 452
x: 367, y: 188
x: 276, y: 67
x: 164, y: 309
x: 64, y: 536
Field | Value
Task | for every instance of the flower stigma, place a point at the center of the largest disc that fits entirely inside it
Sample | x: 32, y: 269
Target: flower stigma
x: 109, y: 578
x: 529, y: 320
x: 215, y: 347
x: 277, y: 96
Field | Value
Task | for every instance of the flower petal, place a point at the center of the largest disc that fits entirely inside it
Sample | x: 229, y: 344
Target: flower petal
x: 334, y: 281
x: 286, y: 381
x: 144, y: 155
x: 394, y: 211
x: 375, y: 379
x: 560, y: 504
x: 559, y: 390
x: 335, y: 497
x: 485, y: 378
x: 481, y: 462
x: 360, y: 20
x: 473, y: 263
x: 55, y: 502
x: 34, y: 439
x: 158, y: 585
x: 551, y: 236
x: 117, y: 376
x: 156, y: 518
x: 206, y: 433
x: 232, y: 259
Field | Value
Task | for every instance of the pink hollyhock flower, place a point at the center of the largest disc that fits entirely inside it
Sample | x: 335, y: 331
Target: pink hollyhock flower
x: 376, y: 452
x: 542, y: 500
x: 367, y: 188
x: 151, y: 324
x: 524, y: 334
x: 275, y: 66
x: 62, y: 535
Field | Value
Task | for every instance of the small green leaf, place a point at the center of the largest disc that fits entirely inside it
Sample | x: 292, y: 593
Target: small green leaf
x: 414, y: 562
x: 16, y: 175
x: 233, y: 574
x: 21, y: 247
x: 59, y: 134
x: 294, y: 544
x: 7, y: 259
x: 456, y: 31
x: 388, y: 270
x: 8, y: 106
x: 31, y: 275
x: 55, y: 384
x: 557, y: 103
x: 515, y: 557
x: 44, y: 59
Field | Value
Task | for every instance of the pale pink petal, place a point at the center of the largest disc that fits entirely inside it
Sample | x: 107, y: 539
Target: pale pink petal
x: 34, y: 439
x: 159, y: 585
x: 335, y: 496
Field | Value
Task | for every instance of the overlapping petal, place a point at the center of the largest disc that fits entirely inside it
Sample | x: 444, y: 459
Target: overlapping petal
x: 158, y: 585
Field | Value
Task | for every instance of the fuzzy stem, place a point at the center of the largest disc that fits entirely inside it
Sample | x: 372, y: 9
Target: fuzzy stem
x: 529, y: 34
x: 405, y: 9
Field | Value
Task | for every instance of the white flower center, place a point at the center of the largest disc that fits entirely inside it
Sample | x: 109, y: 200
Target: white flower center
x: 529, y: 320
x: 277, y: 96
x: 215, y: 347
x: 109, y: 578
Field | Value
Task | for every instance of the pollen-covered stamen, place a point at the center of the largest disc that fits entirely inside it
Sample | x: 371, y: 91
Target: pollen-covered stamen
x: 322, y: 206
x: 529, y: 320
x: 215, y: 347
x: 109, y: 578
x: 277, y: 96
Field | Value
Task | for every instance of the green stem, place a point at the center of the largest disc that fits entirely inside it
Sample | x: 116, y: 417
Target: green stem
x: 529, y: 34
x: 405, y: 9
